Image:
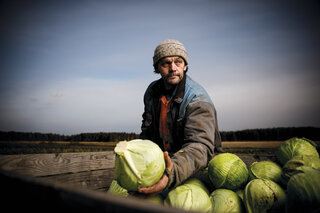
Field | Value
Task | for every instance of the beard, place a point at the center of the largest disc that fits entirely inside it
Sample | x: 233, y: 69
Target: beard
x: 173, y: 79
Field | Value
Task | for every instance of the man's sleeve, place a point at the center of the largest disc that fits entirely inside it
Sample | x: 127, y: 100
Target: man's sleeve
x: 200, y: 131
x: 146, y: 116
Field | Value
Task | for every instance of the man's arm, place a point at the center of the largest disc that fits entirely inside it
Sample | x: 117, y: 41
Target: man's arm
x: 198, y: 150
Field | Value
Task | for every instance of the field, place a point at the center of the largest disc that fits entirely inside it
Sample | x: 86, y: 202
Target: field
x: 37, y: 147
x: 34, y: 147
x: 251, y: 147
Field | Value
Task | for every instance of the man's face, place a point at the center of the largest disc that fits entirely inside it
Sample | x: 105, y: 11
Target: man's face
x: 172, y: 70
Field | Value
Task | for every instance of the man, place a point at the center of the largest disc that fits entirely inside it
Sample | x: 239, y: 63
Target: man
x: 180, y: 117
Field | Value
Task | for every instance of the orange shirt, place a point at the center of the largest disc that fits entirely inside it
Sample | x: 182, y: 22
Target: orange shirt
x: 165, y: 106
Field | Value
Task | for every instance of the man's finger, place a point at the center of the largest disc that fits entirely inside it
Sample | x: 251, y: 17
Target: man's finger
x: 147, y: 190
x: 157, y: 188
x: 168, y: 161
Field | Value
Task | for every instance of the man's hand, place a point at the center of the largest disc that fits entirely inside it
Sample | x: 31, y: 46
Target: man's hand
x: 162, y: 183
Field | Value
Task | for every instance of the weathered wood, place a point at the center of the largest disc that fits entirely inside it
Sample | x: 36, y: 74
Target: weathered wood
x: 94, y: 180
x: 26, y: 193
x: 92, y: 170
x: 74, y: 182
x: 52, y: 164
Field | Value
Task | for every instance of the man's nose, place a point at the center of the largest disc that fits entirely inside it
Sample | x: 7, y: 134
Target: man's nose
x: 173, y: 67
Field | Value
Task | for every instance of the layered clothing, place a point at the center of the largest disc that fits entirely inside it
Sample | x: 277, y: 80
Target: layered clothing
x: 184, y: 122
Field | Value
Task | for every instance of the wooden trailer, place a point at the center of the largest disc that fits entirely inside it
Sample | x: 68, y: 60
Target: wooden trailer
x: 70, y: 182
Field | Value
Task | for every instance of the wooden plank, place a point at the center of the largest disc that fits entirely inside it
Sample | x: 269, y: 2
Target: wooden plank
x: 101, y: 179
x: 52, y: 164
x: 94, y: 180
x: 26, y: 193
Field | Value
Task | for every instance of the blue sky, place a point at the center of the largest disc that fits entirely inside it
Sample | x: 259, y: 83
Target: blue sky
x: 82, y: 66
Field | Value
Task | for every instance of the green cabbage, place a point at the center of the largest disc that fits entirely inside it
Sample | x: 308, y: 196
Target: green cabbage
x: 290, y: 168
x: 295, y: 147
x: 139, y: 163
x: 192, y: 195
x: 240, y: 194
x: 156, y: 199
x: 225, y: 200
x: 303, y: 191
x: 116, y: 189
x: 204, y: 177
x: 263, y: 195
x: 228, y: 171
x: 265, y: 169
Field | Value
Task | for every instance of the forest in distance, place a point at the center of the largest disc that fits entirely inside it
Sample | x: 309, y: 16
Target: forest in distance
x: 266, y: 134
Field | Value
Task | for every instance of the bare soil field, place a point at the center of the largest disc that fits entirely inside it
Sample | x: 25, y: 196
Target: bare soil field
x: 34, y: 147
x: 251, y: 144
x: 37, y: 147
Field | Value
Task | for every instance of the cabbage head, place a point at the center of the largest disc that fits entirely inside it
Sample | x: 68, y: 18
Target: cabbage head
x: 116, y: 189
x: 228, y: 171
x: 139, y: 163
x: 303, y: 191
x: 204, y: 177
x: 192, y: 195
x: 226, y: 200
x: 263, y: 195
x: 295, y: 147
x: 291, y: 167
x: 240, y: 193
x: 156, y: 199
x: 265, y: 169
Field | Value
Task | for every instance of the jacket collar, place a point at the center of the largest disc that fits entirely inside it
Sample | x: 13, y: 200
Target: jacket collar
x: 158, y: 89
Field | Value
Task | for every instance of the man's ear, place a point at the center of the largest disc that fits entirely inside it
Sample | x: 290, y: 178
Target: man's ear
x: 185, y: 68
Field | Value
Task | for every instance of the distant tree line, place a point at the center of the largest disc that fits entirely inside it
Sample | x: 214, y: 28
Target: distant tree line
x: 272, y: 134
x: 268, y: 134
x: 100, y: 136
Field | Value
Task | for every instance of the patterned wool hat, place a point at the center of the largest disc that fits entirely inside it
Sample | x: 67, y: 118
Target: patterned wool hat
x: 170, y: 47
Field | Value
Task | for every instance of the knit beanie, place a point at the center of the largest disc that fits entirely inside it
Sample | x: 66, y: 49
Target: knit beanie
x: 168, y: 48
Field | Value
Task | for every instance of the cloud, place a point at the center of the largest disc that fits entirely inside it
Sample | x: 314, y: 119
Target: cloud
x: 83, y: 105
x: 269, y: 101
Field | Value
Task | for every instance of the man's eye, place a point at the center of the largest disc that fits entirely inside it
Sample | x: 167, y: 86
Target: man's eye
x: 165, y: 64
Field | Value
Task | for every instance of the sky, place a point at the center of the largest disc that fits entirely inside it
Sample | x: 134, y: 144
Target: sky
x: 70, y: 67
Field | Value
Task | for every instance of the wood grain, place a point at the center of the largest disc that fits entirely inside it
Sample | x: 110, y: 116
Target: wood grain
x: 92, y: 170
x: 94, y: 180
x: 52, y: 164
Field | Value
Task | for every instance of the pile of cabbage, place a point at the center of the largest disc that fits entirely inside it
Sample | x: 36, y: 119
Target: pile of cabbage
x: 289, y: 184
